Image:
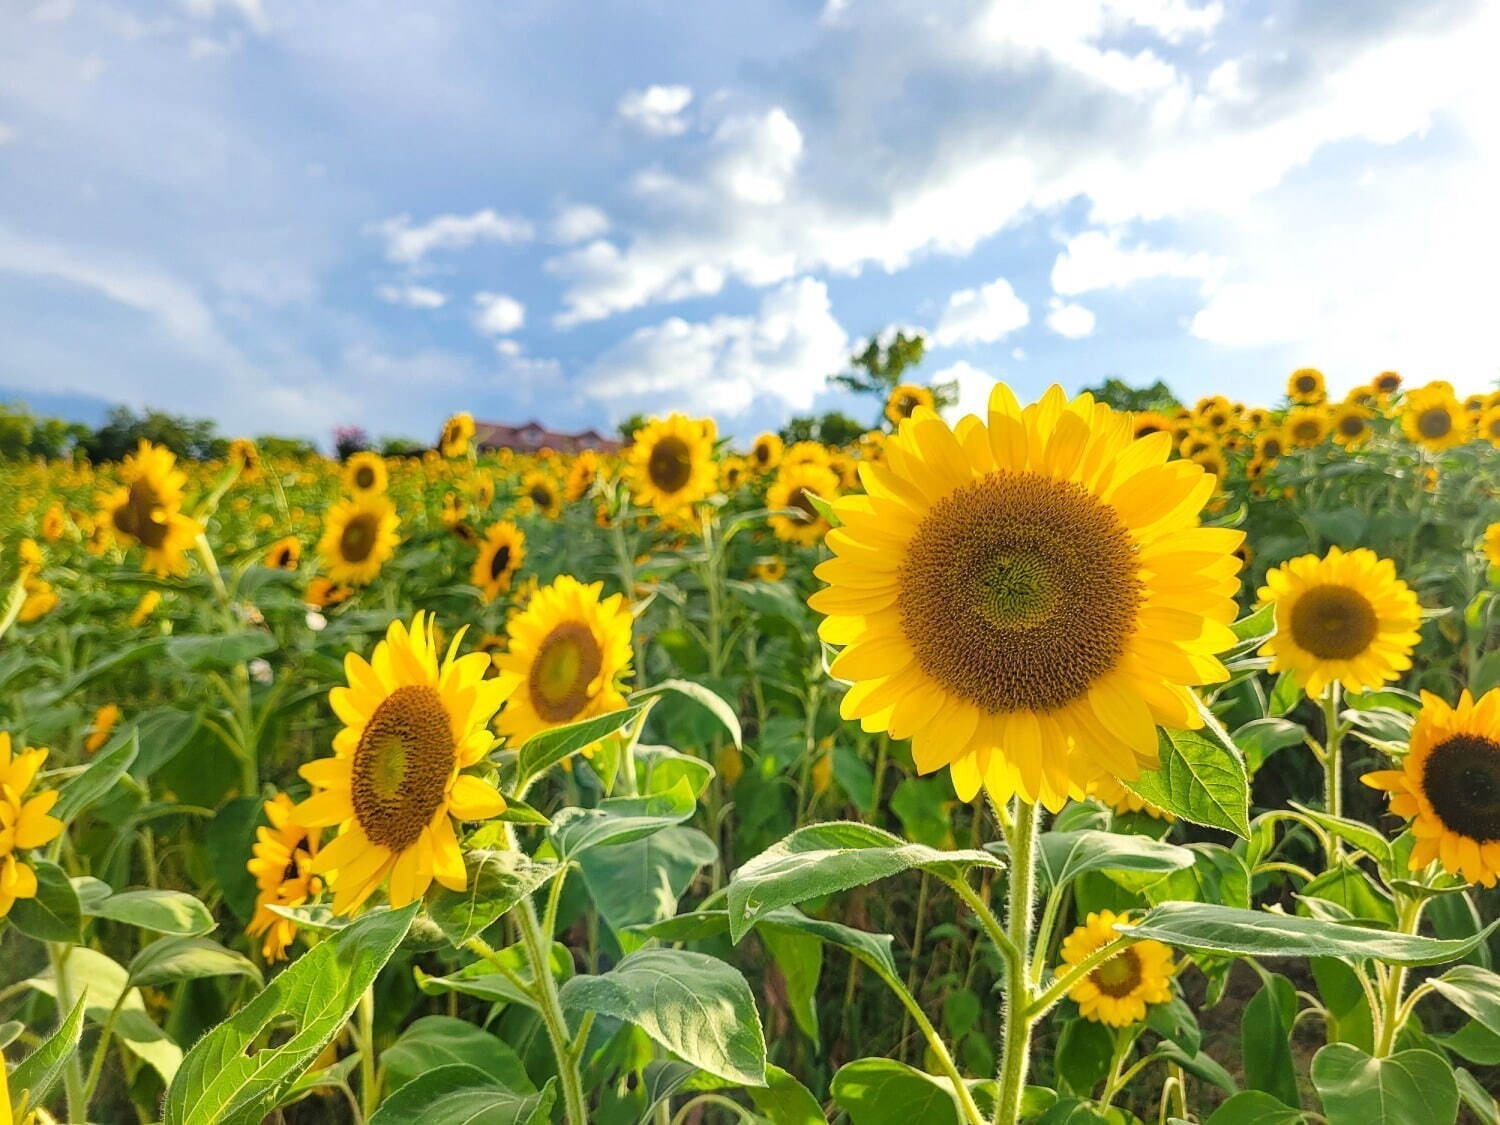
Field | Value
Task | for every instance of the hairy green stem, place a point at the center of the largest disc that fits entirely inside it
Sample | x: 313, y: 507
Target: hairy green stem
x: 1018, y: 1020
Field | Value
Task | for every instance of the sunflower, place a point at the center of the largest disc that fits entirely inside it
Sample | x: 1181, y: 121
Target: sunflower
x: 280, y: 860
x: 804, y: 453
x: 733, y: 472
x: 1212, y: 460
x: 359, y: 534
x: 765, y: 454
x: 671, y: 463
x: 1028, y: 599
x: 322, y: 593
x: 1344, y: 617
x: 1305, y: 386
x: 1351, y: 425
x: 1148, y: 422
x: 145, y: 608
x: 1386, y: 383
x: 245, y: 456
x: 872, y: 445
x: 54, y: 523
x: 795, y: 484
x: 365, y: 473
x: 394, y: 785
x: 1257, y: 418
x: 455, y: 508
x: 1305, y: 427
x: 1269, y: 446
x: 1448, y: 786
x: 1110, y: 792
x: 458, y: 435
x: 1492, y: 544
x: 1214, y: 414
x: 41, y: 599
x: 501, y: 552
x: 846, y: 468
x: 1119, y: 989
x: 102, y: 727
x: 769, y: 570
x: 284, y: 554
x: 539, y: 495
x: 24, y: 822
x: 148, y: 509
x: 482, y: 488
x: 582, y: 473
x: 904, y: 400
x: 1432, y: 418
x: 568, y: 653
x: 1488, y: 428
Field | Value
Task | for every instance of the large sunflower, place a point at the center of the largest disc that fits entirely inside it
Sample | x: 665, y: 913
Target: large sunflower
x: 501, y: 552
x: 1305, y: 427
x: 280, y: 860
x: 394, y: 785
x: 904, y: 400
x: 568, y: 653
x: 1028, y: 599
x: 671, y: 463
x: 1432, y: 418
x: 1344, y: 617
x: 1305, y: 386
x: 365, y: 473
x: 1119, y: 989
x: 359, y: 534
x: 148, y: 509
x: 458, y: 435
x: 1448, y: 786
x: 794, y: 484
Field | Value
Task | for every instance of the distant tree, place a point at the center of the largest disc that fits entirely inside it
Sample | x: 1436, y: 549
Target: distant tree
x: 272, y: 446
x: 24, y: 435
x: 349, y: 440
x: 196, y: 439
x: 878, y: 368
x: 832, y: 428
x: 628, y: 426
x: 1122, y: 396
x: 401, y: 447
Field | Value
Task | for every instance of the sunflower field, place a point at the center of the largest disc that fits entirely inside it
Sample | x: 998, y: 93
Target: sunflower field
x: 1060, y: 765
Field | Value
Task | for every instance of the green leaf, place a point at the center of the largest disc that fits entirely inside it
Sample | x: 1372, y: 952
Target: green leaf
x: 658, y: 769
x: 800, y: 959
x: 54, y: 914
x: 1207, y: 928
x: 695, y: 1006
x: 102, y: 775
x: 1348, y: 1018
x: 1352, y: 832
x: 1473, y: 990
x: 546, y: 749
x: 873, y: 949
x: 228, y: 838
x: 464, y: 1095
x: 1284, y: 695
x: 785, y: 1101
x: 712, y: 701
x: 639, y: 882
x: 1401, y: 1089
x: 35, y: 1075
x: 480, y: 979
x: 497, y: 881
x: 219, y: 652
x: 1260, y: 738
x: 225, y: 1079
x: 1084, y: 1051
x: 1349, y: 888
x: 618, y: 820
x: 1255, y: 1107
x: 887, y: 1092
x: 1265, y: 1040
x: 1066, y: 855
x: 164, y: 912
x: 163, y: 733
x: 435, y: 1041
x: 823, y: 858
x: 1476, y: 1097
x: 171, y: 959
x: 1200, y: 780
x: 1475, y: 1042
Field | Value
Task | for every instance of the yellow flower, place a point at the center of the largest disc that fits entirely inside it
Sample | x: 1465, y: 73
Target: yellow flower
x: 501, y: 553
x: 1305, y: 386
x: 1215, y: 414
x: 872, y: 445
x: 539, y: 494
x: 1269, y: 446
x: 1492, y: 543
x: 482, y: 489
x: 567, y: 655
x: 733, y: 472
x: 1431, y: 417
x: 284, y: 554
x: 730, y: 764
x: 765, y: 454
x: 671, y: 463
x: 365, y: 472
x: 24, y: 822
x: 41, y: 599
x: 102, y: 727
x: 1118, y: 989
x: 795, y: 484
x: 1345, y: 617
x: 281, y: 860
x: 148, y: 509
x: 455, y: 507
x: 1149, y: 422
x: 1448, y: 786
x: 1305, y: 427
x: 31, y: 555
x: 54, y: 523
x: 1386, y: 383
x: 1122, y: 800
x: 769, y: 570
x: 904, y: 400
x: 458, y: 433
x: 582, y: 473
x: 359, y: 534
x: 395, y: 784
x: 244, y: 454
x: 1027, y: 599
x: 145, y: 608
x: 1488, y: 428
x: 1351, y: 425
x: 804, y: 453
x: 323, y: 593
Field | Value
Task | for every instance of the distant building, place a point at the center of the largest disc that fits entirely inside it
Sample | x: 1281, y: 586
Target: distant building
x: 534, y: 437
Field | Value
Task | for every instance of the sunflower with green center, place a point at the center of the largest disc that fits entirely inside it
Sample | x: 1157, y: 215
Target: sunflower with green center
x: 1305, y: 427
x: 395, y: 784
x: 501, y: 553
x: 147, y: 509
x: 567, y: 657
x: 25, y: 822
x: 280, y: 860
x: 1448, y: 786
x: 904, y: 399
x: 359, y: 534
x: 1345, y: 617
x: 1351, y: 425
x: 457, y: 436
x: 765, y: 454
x: 365, y: 474
x: 1432, y: 418
x: 284, y: 554
x: 796, y: 518
x: 671, y: 463
x: 1028, y: 598
x: 1118, y: 990
x: 1305, y: 386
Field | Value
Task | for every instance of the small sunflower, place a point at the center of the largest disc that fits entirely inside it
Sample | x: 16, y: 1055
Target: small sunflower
x: 25, y: 822
x: 1269, y: 446
x: 394, y: 785
x: 284, y: 554
x: 539, y: 495
x: 582, y: 473
x: 1351, y: 425
x: 322, y: 593
x: 904, y: 400
x: 482, y: 489
x: 568, y: 654
x: 1305, y: 386
x: 145, y: 608
x: 458, y: 435
x: 1118, y: 990
x: 54, y: 523
x: 1345, y: 617
x: 359, y: 534
x: 872, y: 445
x: 1149, y: 422
x: 765, y: 454
x: 1448, y: 786
x: 769, y: 570
x: 805, y: 453
x: 244, y: 454
x: 1212, y: 460
x: 671, y: 463
x: 1305, y: 427
x: 1386, y: 383
x: 280, y: 860
x: 501, y: 552
x: 102, y: 727
x: 365, y: 473
x: 1214, y: 414
x: 1492, y: 544
x: 1488, y: 427
x: 148, y: 509
x: 733, y: 472
x: 1432, y: 418
x: 801, y: 522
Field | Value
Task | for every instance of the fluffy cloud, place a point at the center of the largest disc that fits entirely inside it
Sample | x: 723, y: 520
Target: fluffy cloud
x: 1073, y: 321
x: 412, y: 296
x: 498, y: 315
x: 981, y: 316
x: 578, y: 222
x: 409, y: 245
x: 1096, y: 260
x: 973, y: 389
x: 657, y: 110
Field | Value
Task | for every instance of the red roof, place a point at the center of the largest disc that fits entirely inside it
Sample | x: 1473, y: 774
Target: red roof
x: 534, y: 436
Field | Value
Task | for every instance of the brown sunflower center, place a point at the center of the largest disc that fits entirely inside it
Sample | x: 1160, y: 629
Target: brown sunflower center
x: 671, y: 464
x: 1307, y: 430
x: 500, y: 561
x: 1492, y: 427
x: 1334, y: 622
x: 1270, y: 448
x: 1020, y: 592
x: 1351, y: 425
x: 1120, y: 975
x: 401, y: 766
x: 1306, y: 384
x: 1462, y: 780
x: 566, y: 663
x: 358, y: 537
x: 541, y: 495
x: 364, y: 477
x: 142, y: 516
x: 1385, y: 384
x: 1434, y: 423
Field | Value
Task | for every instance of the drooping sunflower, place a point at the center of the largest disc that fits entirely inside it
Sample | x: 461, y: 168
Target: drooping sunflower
x: 359, y: 534
x: 501, y: 552
x: 458, y: 435
x: 1305, y: 386
x: 582, y: 473
x: 904, y: 400
x: 1118, y: 990
x: 1305, y: 427
x: 1448, y: 786
x: 1110, y: 792
x: 793, y: 486
x: 567, y: 656
x: 1432, y: 418
x: 25, y: 822
x: 1027, y: 599
x: 244, y: 454
x: 284, y: 554
x: 394, y: 786
x: 1345, y: 617
x: 1386, y: 383
x: 1351, y: 425
x: 1148, y: 422
x: 1492, y: 543
x: 539, y: 495
x: 765, y: 454
x: 365, y: 473
x: 148, y: 509
x: 102, y: 727
x: 280, y: 860
x: 671, y: 463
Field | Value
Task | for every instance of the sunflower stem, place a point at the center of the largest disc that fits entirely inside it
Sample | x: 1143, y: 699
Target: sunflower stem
x: 369, y: 1086
x: 1333, y: 790
x: 1016, y: 1014
x: 544, y: 988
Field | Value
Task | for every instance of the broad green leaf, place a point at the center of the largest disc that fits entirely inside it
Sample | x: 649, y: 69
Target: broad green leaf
x: 1084, y: 1051
x: 164, y: 912
x: 659, y: 768
x: 800, y: 959
x: 1064, y: 856
x: 1200, y: 780
x: 640, y: 881
x: 1473, y: 990
x: 823, y: 858
x: 1253, y: 630
x: 118, y: 658
x: 785, y: 1101
x: 163, y: 733
x: 228, y: 839
x: 54, y: 914
x: 219, y: 652
x: 497, y: 881
x: 1348, y: 1018
x: 1479, y: 1100
x: 1352, y: 832
x: 873, y: 949
x: 482, y: 980
x: 618, y: 820
x: 1207, y: 928
x: 35, y: 1075
x: 171, y: 959
x: 1255, y: 1107
x: 1175, y: 1021
x: 546, y: 749
x: 1265, y: 1040
x: 435, y: 1041
x: 1284, y: 695
x: 1349, y: 888
x: 1260, y: 738
x: 224, y: 1078
x: 464, y: 1095
x: 102, y: 775
x: 695, y: 1006
x: 887, y: 1092
x: 713, y: 702
x: 1475, y: 1042
x: 1199, y: 1065
x: 1401, y: 1089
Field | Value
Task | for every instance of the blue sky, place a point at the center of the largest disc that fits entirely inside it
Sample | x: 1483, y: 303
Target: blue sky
x: 291, y: 216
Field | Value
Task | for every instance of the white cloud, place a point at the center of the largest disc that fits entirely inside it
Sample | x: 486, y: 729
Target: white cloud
x: 497, y: 314
x: 579, y: 222
x: 782, y: 356
x: 657, y: 110
x: 249, y: 10
x: 762, y: 155
x: 981, y: 316
x: 973, y: 389
x: 412, y: 296
x: 409, y: 245
x: 7, y: 133
x: 1096, y: 260
x: 1073, y: 321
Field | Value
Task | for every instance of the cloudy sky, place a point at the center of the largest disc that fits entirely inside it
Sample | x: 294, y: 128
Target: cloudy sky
x: 293, y: 215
